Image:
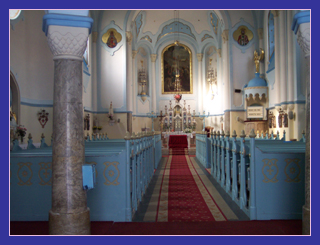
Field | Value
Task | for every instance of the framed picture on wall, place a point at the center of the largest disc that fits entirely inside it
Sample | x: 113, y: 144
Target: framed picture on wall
x: 176, y: 59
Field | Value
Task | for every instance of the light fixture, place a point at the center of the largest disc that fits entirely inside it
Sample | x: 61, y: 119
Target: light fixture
x: 177, y: 82
x: 212, y: 80
x: 143, y: 81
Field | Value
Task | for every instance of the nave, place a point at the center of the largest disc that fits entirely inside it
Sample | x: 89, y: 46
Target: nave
x: 182, y: 199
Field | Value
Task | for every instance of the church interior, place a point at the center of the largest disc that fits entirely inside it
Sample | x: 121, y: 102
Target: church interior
x: 88, y: 84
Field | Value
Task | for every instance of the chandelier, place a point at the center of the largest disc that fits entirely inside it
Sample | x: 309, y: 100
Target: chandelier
x: 212, y: 80
x: 177, y: 82
x: 143, y: 81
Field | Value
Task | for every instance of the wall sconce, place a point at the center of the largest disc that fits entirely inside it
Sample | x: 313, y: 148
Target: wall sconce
x: 143, y: 81
x: 43, y: 117
x: 212, y: 80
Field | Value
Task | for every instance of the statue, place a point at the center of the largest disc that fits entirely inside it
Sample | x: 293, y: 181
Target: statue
x: 258, y: 58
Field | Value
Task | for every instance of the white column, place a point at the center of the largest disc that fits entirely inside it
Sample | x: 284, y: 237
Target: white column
x: 134, y: 80
x: 154, y: 99
x: 219, y: 79
x: 225, y: 68
x: 93, y: 63
x: 129, y: 72
x: 283, y: 62
x: 200, y: 85
x: 277, y: 54
x: 260, y: 34
x: 290, y: 74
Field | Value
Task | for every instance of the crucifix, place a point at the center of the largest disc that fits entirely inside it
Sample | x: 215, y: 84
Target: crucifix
x: 152, y: 115
x: 161, y: 116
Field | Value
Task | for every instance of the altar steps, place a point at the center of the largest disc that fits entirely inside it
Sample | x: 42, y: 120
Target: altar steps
x: 178, y: 151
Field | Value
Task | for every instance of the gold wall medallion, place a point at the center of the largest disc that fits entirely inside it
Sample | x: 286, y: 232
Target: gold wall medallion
x: 45, y: 173
x: 270, y: 170
x: 111, y: 38
x: 176, y: 58
x: 242, y: 35
x: 25, y: 173
x: 292, y: 170
x: 111, y: 173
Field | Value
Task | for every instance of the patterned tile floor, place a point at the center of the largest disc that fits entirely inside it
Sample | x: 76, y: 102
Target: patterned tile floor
x: 209, y: 189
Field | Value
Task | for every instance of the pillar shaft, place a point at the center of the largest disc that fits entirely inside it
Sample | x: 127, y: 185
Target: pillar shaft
x: 69, y: 214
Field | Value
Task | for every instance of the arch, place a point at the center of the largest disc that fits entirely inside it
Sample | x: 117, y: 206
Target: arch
x: 14, y: 89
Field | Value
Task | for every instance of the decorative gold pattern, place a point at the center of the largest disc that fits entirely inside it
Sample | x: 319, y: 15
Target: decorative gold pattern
x: 109, y: 170
x: 24, y: 172
x: 270, y: 170
x: 45, y: 173
x: 292, y: 170
x: 215, y: 27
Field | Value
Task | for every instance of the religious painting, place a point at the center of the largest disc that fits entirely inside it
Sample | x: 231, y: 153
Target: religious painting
x: 242, y: 35
x: 176, y: 60
x: 111, y: 38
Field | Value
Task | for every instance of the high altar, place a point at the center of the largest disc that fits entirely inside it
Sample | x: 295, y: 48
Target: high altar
x: 178, y: 121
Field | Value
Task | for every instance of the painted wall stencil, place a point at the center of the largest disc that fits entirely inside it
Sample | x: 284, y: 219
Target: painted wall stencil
x: 43, y: 117
x: 242, y: 35
x: 111, y: 38
x: 176, y: 59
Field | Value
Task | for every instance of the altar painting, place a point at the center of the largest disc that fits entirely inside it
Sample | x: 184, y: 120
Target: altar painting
x: 174, y: 57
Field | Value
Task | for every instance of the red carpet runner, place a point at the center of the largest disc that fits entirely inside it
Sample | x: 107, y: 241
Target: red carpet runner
x: 183, y: 196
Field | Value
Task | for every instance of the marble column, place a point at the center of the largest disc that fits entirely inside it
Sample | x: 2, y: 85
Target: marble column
x: 201, y: 87
x: 134, y: 85
x: 302, y: 30
x: 69, y: 214
x: 154, y: 98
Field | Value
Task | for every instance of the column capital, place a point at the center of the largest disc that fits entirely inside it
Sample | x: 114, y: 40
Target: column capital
x: 94, y: 36
x: 260, y: 33
x: 200, y: 56
x: 153, y: 57
x: 67, y: 42
x: 219, y: 52
x: 129, y: 36
x: 301, y: 27
x: 225, y: 36
x: 134, y: 53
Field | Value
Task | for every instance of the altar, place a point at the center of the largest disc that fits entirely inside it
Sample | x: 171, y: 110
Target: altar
x: 166, y: 135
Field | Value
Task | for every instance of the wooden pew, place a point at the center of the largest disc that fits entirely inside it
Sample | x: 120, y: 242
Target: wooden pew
x: 234, y: 166
x: 124, y: 168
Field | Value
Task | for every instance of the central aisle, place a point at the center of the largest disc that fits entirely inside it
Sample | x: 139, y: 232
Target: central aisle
x: 183, y: 197
x: 183, y: 193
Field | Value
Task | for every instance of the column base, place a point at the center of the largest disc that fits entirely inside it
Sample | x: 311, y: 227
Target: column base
x: 305, y: 220
x: 70, y: 224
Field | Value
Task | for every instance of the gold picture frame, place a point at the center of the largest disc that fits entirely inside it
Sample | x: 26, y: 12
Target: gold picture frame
x: 169, y: 62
